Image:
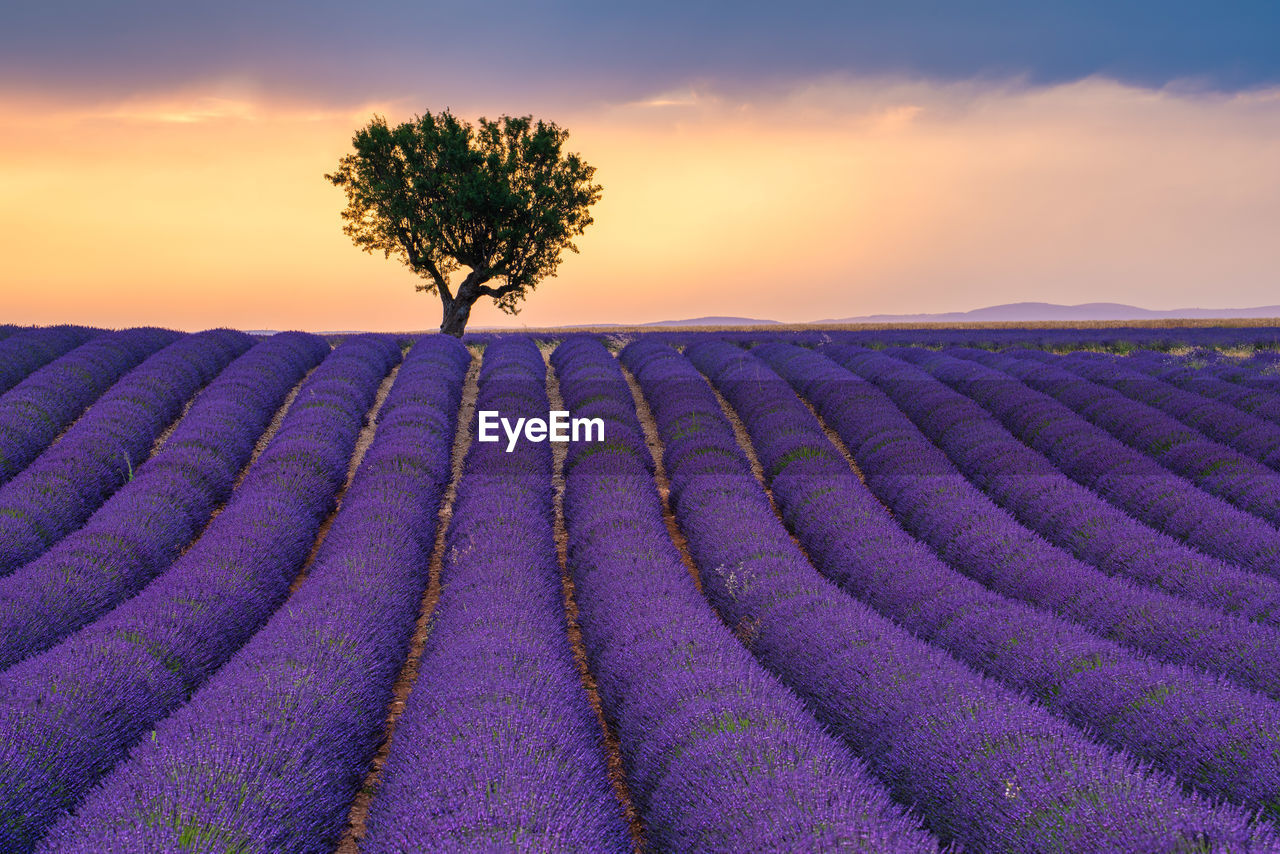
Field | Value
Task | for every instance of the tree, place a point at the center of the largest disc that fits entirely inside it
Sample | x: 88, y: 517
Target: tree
x: 499, y: 199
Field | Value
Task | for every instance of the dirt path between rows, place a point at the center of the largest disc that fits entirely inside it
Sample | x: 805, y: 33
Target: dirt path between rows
x: 363, y: 440
x: 273, y: 426
x: 649, y: 426
x: 744, y: 441
x: 613, y: 752
x: 358, y: 816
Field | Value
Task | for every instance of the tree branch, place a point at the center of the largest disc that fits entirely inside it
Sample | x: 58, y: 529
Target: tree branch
x: 509, y: 287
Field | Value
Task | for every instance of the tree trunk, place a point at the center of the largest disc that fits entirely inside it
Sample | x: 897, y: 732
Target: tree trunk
x: 457, y: 310
x: 456, y: 314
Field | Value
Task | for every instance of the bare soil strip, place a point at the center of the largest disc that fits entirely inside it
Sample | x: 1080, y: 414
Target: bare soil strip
x: 363, y: 440
x: 650, y: 427
x: 168, y: 431
x: 834, y: 438
x: 744, y: 441
x: 613, y: 753
x: 268, y: 434
x: 359, y: 814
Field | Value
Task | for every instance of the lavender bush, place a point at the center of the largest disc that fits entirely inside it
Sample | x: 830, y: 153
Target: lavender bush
x: 1029, y: 486
x: 1212, y: 466
x: 29, y: 349
x: 497, y: 748
x: 60, y: 490
x: 1215, y: 736
x: 141, y: 529
x: 719, y: 755
x: 38, y: 408
x: 268, y: 754
x: 1124, y: 476
x: 915, y: 713
x: 938, y: 505
x: 70, y: 713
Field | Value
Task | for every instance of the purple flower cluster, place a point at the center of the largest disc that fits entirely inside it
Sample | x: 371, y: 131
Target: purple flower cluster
x: 497, y: 748
x: 1024, y: 482
x: 1124, y: 476
x: 1214, y: 467
x: 1212, y: 734
x: 37, y: 409
x: 1245, y: 376
x: 937, y: 504
x: 720, y: 756
x: 268, y: 755
x: 1221, y: 422
x: 141, y: 529
x: 60, y: 490
x: 70, y: 713
x: 30, y: 349
x: 1178, y: 372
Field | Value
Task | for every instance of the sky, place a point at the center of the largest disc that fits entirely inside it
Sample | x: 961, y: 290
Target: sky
x: 162, y: 163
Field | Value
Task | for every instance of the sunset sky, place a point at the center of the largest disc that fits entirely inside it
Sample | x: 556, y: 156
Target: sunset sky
x: 162, y: 163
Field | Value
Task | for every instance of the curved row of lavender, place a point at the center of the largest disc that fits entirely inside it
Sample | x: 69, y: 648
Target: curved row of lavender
x: 269, y: 753
x: 1126, y: 477
x: 1208, y: 419
x: 915, y: 713
x: 142, y: 528
x: 1212, y: 734
x: 937, y: 504
x: 30, y: 349
x: 1181, y: 374
x: 58, y: 491
x: 1212, y: 466
x: 1064, y: 512
x: 719, y: 755
x: 70, y: 713
x: 497, y: 747
x: 1246, y: 376
x: 35, y: 411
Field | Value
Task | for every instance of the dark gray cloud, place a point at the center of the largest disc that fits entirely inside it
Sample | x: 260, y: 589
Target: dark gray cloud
x: 601, y: 50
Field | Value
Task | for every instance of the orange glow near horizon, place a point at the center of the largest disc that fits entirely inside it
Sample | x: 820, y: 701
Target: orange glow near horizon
x: 848, y: 197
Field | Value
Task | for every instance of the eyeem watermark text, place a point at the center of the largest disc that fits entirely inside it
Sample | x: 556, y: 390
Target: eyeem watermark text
x: 556, y: 427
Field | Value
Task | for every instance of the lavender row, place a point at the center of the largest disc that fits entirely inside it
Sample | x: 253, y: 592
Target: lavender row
x: 60, y: 490
x: 1268, y: 382
x: 719, y: 755
x: 1210, y: 733
x: 31, y: 349
x: 36, y: 410
x: 1186, y: 376
x: 69, y: 714
x: 938, y: 505
x: 141, y: 529
x: 1215, y: 468
x: 916, y: 714
x: 497, y: 748
x: 1208, y: 418
x: 268, y: 754
x: 1062, y: 511
x: 1125, y: 477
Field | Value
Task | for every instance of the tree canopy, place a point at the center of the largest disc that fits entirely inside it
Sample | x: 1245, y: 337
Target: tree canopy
x: 499, y: 198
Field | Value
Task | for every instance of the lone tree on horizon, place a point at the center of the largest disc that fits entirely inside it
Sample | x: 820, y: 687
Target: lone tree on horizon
x: 499, y: 199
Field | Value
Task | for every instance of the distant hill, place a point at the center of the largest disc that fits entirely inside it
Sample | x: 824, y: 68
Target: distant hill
x: 1033, y: 311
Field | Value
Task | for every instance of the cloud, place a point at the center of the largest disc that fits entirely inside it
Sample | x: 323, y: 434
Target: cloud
x: 840, y: 195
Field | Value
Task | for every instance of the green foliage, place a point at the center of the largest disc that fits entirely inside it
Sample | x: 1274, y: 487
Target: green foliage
x: 500, y: 198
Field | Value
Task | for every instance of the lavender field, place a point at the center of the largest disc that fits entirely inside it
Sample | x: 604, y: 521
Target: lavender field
x: 818, y: 590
